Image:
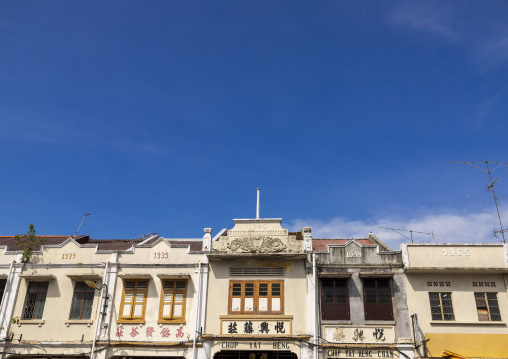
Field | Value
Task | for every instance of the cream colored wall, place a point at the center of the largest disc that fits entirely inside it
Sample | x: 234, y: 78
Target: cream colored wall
x: 57, y: 308
x: 464, y: 305
x: 65, y: 255
x: 167, y: 255
x: 456, y: 256
x: 295, y: 292
x: 152, y: 261
x: 63, y: 263
x: 152, y: 310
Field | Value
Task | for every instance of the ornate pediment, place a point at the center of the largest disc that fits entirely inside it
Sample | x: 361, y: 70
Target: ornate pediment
x: 257, y: 236
x: 257, y: 245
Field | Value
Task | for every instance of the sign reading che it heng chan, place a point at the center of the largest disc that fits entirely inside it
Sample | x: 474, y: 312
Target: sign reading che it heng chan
x: 374, y: 353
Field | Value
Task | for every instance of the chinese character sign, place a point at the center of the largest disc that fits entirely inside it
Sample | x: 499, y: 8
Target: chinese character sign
x: 253, y: 326
x: 347, y: 334
x: 164, y: 333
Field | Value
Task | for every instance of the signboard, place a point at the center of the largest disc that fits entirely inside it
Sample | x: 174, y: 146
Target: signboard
x: 254, y: 326
x: 257, y: 345
x: 381, y: 334
x: 363, y: 353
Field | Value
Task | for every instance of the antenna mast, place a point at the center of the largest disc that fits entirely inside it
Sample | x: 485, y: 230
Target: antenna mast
x: 490, y: 187
x: 408, y: 230
x: 257, y: 206
x: 84, y: 216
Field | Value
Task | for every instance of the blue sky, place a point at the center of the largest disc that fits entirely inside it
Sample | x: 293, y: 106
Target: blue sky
x: 166, y: 116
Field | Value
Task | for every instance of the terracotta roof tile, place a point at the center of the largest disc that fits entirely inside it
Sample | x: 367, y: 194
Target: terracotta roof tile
x: 195, y: 246
x: 11, y: 243
x: 297, y: 234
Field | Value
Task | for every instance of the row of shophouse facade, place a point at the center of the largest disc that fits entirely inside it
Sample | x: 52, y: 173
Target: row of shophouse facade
x: 256, y: 291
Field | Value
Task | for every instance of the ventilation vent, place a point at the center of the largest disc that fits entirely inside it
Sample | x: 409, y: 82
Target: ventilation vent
x: 270, y: 271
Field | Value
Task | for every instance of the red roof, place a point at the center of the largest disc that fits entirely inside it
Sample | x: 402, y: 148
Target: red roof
x: 11, y: 243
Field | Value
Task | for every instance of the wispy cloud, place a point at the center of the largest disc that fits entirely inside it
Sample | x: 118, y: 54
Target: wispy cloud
x: 433, y: 18
x: 447, y: 228
x: 52, y: 131
x: 486, y: 37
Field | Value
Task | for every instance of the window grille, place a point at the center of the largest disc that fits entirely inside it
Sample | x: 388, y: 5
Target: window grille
x: 441, y: 306
x: 35, y: 300
x: 82, y: 301
x: 487, y: 307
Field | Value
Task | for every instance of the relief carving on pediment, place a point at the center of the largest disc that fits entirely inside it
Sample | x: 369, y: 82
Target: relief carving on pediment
x: 257, y: 245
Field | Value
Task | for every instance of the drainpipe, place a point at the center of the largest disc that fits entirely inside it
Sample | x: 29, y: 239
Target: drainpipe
x: 98, y: 321
x: 316, y: 312
x: 198, y: 314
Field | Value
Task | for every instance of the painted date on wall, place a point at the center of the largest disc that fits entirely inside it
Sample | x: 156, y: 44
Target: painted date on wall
x: 161, y: 255
x: 68, y: 255
x: 353, y: 254
x: 455, y: 252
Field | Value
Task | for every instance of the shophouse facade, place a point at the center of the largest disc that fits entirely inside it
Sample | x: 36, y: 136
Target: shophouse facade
x: 361, y: 299
x: 457, y: 297
x: 256, y: 291
x: 259, y: 303
x: 146, y: 301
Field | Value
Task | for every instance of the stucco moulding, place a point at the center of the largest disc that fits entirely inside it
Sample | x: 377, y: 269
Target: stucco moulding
x: 257, y: 236
x: 85, y: 276
x: 38, y: 277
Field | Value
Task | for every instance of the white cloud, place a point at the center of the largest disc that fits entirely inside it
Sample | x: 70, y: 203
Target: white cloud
x: 430, y: 17
x: 485, y: 37
x: 447, y: 227
x: 72, y: 132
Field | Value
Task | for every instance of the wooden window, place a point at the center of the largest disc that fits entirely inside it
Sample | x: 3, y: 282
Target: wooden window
x: 82, y: 300
x: 334, y: 299
x: 35, y: 300
x: 487, y: 307
x: 172, y: 307
x: 133, y: 306
x: 256, y: 297
x: 441, y: 306
x: 377, y: 299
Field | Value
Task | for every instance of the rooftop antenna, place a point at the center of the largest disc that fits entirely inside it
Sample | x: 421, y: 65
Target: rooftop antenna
x: 410, y: 232
x: 257, y: 207
x: 490, y: 187
x: 84, y: 216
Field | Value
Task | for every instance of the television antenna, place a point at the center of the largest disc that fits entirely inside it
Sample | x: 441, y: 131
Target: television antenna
x: 84, y: 216
x: 398, y: 230
x: 490, y: 187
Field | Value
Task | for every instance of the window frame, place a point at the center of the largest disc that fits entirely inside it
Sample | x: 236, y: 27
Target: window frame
x: 171, y: 318
x: 441, y: 307
x: 256, y: 296
x: 3, y: 284
x: 487, y: 306
x: 135, y: 291
x: 382, y: 311
x: 37, y: 292
x: 341, y: 311
x: 87, y: 291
